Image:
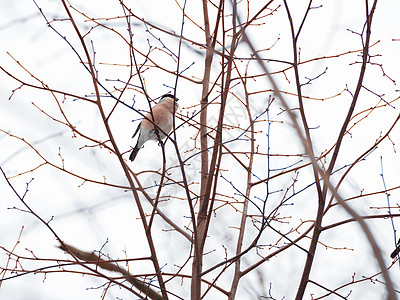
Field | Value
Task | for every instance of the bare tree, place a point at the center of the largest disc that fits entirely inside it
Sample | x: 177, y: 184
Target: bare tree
x: 261, y: 189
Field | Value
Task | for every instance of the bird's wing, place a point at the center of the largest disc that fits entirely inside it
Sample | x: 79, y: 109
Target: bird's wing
x: 137, y: 130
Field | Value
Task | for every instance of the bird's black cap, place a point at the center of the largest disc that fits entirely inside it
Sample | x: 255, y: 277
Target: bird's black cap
x: 169, y: 95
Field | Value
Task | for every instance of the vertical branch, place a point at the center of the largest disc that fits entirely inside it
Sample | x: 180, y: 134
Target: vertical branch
x: 200, y: 225
x: 118, y: 153
x: 326, y: 175
x: 212, y: 173
x: 204, y: 103
x: 206, y: 206
x: 197, y: 259
x: 242, y: 226
x: 321, y: 196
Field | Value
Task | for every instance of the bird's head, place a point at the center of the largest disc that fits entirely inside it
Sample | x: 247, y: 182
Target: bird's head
x: 168, y: 98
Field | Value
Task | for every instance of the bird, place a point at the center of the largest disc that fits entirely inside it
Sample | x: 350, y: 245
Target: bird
x: 157, y: 124
x: 396, y: 251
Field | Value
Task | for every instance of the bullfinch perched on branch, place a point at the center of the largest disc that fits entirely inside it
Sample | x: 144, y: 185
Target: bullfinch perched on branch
x: 156, y: 124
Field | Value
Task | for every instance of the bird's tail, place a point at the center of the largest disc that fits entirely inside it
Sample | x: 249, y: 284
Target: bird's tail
x: 395, y: 252
x: 134, y: 152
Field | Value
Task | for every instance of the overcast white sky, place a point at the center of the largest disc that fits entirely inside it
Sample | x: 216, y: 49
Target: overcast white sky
x: 89, y: 215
